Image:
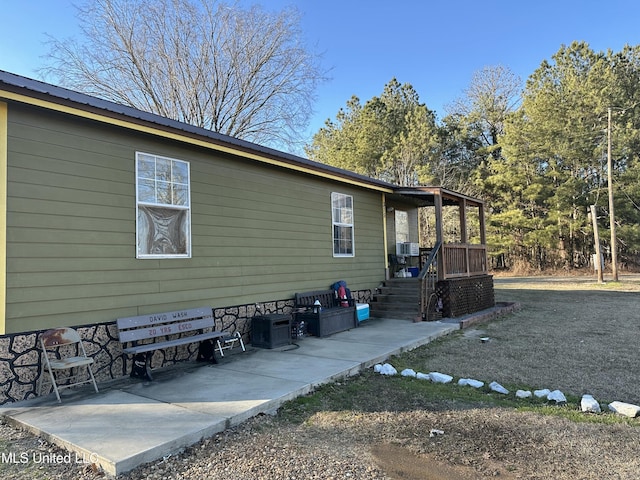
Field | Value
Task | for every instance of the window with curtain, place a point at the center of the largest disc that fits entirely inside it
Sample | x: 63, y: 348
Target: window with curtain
x: 163, y: 204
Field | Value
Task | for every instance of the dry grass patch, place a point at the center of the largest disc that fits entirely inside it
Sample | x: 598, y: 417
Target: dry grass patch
x: 572, y: 335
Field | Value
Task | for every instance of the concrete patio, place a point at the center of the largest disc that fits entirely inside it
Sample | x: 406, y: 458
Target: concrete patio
x: 131, y: 422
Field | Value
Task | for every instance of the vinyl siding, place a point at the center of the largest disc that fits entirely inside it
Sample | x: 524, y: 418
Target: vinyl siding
x: 3, y: 212
x: 259, y: 233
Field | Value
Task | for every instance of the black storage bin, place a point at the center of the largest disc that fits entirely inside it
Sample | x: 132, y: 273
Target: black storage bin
x: 271, y: 331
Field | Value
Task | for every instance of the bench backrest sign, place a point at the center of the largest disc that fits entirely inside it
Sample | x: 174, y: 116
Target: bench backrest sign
x: 143, y: 327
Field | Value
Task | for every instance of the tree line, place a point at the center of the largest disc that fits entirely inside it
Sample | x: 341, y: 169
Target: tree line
x: 536, y: 152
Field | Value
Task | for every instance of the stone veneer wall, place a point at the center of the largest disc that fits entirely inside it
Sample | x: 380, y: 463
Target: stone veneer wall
x: 20, y: 361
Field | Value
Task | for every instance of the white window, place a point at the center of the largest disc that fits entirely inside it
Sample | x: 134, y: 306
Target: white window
x: 402, y: 226
x: 163, y: 204
x: 342, y: 220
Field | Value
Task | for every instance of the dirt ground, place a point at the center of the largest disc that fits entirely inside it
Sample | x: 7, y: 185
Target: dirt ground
x: 569, y: 334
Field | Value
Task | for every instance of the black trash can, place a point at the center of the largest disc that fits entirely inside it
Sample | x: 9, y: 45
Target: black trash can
x: 271, y: 331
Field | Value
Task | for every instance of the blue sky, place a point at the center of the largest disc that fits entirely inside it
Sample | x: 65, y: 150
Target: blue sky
x: 434, y: 45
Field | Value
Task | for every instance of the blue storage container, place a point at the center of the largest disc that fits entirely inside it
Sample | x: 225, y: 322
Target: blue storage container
x: 362, y: 311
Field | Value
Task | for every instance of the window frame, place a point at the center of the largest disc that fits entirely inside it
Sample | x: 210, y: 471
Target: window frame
x: 340, y: 223
x: 183, y: 204
x: 402, y: 236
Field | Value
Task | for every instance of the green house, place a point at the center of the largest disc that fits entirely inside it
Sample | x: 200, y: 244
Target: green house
x: 107, y: 211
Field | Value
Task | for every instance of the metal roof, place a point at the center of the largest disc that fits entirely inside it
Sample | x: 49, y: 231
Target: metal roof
x: 36, y: 89
x: 424, y: 196
x: 25, y: 88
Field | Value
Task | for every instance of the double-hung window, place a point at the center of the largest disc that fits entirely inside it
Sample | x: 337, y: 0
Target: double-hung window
x: 342, y: 221
x: 163, y: 204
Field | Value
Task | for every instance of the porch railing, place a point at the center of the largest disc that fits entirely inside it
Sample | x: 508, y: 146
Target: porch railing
x: 428, y: 278
x: 464, y: 260
x: 458, y: 260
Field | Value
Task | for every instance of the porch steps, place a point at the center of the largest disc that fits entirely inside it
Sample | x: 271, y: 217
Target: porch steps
x: 397, y: 298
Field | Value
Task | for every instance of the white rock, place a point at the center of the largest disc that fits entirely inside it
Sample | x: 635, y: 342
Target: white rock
x: 589, y: 404
x: 626, y: 409
x: 557, y: 396
x: 408, y: 372
x: 523, y: 394
x: 470, y: 382
x: 440, y: 377
x: 542, y: 393
x: 423, y: 376
x: 496, y: 387
x: 387, y: 369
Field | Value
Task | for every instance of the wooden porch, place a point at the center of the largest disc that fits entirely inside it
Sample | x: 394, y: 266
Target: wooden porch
x: 453, y: 277
x: 458, y: 260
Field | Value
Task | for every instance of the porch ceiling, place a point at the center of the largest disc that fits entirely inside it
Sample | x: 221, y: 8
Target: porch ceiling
x: 425, y: 196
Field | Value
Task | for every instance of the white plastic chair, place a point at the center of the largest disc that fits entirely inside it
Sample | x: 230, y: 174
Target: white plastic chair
x: 62, y: 349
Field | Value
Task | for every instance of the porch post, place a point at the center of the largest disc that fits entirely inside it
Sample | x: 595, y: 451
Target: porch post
x: 483, y: 233
x: 384, y: 236
x: 462, y: 211
x: 437, y: 200
x: 483, y: 236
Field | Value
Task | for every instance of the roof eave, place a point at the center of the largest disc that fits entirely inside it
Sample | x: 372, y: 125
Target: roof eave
x: 25, y: 90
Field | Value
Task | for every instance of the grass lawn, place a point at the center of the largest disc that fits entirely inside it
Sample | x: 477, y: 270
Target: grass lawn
x: 570, y: 334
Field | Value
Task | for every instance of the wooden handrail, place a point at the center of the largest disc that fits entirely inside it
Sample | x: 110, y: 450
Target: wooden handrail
x: 430, y: 259
x: 428, y: 277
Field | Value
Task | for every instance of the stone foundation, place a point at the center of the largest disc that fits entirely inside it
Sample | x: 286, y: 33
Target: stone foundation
x: 20, y: 356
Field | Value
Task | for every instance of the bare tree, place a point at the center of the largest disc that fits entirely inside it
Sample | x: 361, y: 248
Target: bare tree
x: 493, y: 93
x: 241, y: 72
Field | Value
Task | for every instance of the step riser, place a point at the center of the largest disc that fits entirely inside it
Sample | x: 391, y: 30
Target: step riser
x: 394, y: 308
x: 397, y: 291
x: 387, y: 307
x: 395, y: 314
x: 410, y: 286
x: 397, y: 298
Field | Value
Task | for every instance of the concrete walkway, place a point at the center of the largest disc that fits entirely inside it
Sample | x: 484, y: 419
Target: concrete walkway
x: 131, y: 422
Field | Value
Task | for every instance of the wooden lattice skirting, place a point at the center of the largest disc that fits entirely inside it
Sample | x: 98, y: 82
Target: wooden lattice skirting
x: 461, y: 296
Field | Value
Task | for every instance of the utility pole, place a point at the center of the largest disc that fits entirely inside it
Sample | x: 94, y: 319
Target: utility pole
x: 612, y: 222
x: 596, y: 240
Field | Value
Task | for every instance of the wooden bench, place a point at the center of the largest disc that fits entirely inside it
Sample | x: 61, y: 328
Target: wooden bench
x: 145, y: 334
x: 330, y: 318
